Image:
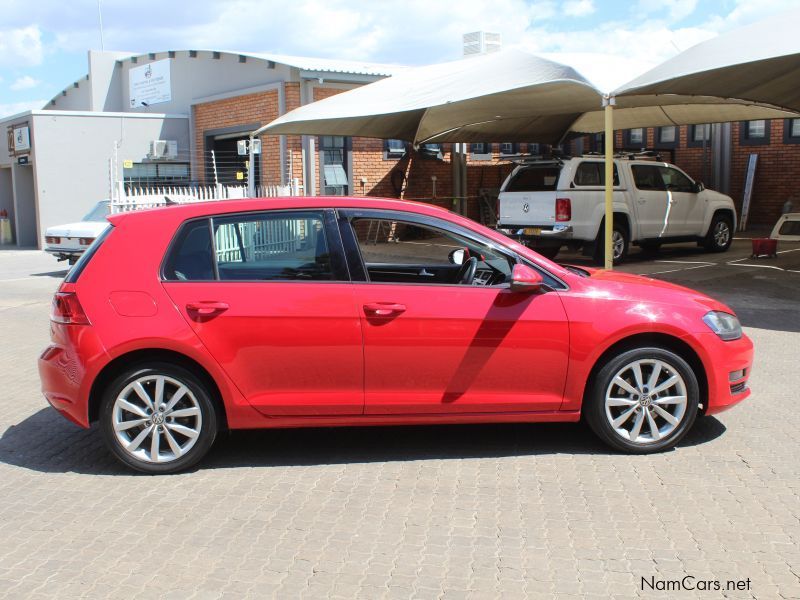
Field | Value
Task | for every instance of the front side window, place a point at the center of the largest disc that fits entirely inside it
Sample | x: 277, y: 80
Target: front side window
x: 593, y: 173
x: 675, y: 181
x: 648, y: 177
x: 395, y: 251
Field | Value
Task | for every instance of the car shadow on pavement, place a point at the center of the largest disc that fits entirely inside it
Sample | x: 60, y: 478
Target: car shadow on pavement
x: 58, y: 274
x: 45, y: 442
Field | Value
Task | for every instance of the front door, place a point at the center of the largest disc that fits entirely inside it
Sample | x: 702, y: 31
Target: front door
x: 652, y: 203
x: 443, y: 337
x: 687, y: 208
x: 271, y: 302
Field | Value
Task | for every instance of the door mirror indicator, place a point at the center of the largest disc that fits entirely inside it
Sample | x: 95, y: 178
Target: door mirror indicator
x: 457, y: 256
x: 528, y: 280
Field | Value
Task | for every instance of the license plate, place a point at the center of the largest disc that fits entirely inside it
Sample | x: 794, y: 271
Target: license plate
x: 532, y: 230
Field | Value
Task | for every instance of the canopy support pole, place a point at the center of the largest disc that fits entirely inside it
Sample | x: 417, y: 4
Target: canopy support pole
x: 608, y: 104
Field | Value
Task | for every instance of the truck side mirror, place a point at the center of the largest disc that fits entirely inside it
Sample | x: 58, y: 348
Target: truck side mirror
x: 698, y: 187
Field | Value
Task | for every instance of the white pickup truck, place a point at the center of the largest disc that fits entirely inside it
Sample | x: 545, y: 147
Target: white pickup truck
x: 558, y: 202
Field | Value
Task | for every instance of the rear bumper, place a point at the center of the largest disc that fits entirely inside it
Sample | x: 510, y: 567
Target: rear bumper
x: 63, y: 253
x: 538, y: 235
x: 67, y: 367
x: 725, y: 360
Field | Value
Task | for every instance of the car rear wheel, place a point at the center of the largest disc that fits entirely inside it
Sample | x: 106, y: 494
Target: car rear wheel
x: 619, y: 244
x: 158, y: 418
x: 643, y: 400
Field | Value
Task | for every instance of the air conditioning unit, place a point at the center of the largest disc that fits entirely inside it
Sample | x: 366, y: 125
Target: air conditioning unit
x: 163, y: 149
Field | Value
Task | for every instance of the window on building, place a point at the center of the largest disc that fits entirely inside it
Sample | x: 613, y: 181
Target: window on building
x: 333, y: 150
x: 480, y: 151
x: 394, y: 148
x: 701, y: 133
x: 508, y: 149
x: 636, y: 137
x: 667, y: 135
x: 157, y: 174
x: 534, y: 149
x: 791, y: 131
x: 754, y: 132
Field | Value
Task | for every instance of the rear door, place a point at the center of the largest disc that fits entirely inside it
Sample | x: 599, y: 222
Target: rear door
x: 529, y: 196
x: 269, y: 296
x: 652, y: 206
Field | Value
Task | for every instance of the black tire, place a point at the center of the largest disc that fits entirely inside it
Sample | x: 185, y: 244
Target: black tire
x: 597, y: 415
x: 720, y: 233
x: 548, y: 252
x: 198, y: 397
x: 619, y: 232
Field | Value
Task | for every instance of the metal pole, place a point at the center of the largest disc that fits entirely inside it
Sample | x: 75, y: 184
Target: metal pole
x: 608, y: 103
x: 251, y: 180
x: 100, y: 17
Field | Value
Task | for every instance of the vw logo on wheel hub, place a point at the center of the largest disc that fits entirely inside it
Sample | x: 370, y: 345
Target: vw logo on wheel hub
x: 525, y: 207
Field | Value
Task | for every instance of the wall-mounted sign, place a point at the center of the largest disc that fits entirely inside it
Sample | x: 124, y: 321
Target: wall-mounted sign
x: 127, y: 164
x: 149, y: 84
x: 22, y: 138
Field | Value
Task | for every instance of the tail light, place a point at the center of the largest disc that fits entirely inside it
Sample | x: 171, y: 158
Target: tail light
x: 52, y: 239
x: 563, y: 209
x: 67, y: 309
x: 85, y: 241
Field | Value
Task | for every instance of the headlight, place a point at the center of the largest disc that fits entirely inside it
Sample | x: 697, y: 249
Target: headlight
x: 725, y: 325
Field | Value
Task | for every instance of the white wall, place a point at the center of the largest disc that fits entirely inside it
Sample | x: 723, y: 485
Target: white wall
x: 71, y: 156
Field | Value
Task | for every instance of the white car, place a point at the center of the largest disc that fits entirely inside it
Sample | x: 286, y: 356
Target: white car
x: 68, y: 242
x: 559, y: 202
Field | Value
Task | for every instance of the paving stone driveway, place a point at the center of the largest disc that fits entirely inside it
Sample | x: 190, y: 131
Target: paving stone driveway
x: 412, y: 512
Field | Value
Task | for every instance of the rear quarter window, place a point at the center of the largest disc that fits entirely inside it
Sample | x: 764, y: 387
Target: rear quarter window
x: 593, y: 174
x: 190, y: 257
x: 534, y: 179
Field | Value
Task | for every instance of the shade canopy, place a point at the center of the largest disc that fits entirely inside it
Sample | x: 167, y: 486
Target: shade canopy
x: 509, y: 96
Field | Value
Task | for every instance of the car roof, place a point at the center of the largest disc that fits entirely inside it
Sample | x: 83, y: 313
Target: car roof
x: 221, y: 207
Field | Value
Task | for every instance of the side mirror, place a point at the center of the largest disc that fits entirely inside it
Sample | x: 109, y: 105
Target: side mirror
x: 698, y: 187
x: 457, y: 256
x: 526, y: 279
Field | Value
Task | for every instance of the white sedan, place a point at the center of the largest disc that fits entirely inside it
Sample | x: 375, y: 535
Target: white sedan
x: 68, y: 242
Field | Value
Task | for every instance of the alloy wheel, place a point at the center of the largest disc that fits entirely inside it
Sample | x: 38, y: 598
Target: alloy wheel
x: 618, y: 244
x: 646, y: 401
x: 722, y: 234
x: 156, y: 419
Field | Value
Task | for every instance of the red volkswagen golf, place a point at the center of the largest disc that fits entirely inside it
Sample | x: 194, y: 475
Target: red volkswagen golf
x: 183, y: 321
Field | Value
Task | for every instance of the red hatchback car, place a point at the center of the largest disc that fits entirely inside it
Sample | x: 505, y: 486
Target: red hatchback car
x: 287, y: 312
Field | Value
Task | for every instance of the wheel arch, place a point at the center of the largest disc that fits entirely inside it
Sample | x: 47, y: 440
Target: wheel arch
x: 661, y: 340
x: 619, y: 217
x: 148, y: 355
x: 723, y: 210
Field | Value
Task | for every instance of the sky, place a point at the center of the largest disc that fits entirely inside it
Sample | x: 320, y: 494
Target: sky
x: 43, y: 44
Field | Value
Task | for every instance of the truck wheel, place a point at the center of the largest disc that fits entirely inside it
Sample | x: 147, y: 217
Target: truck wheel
x: 720, y: 233
x: 550, y: 253
x: 619, y: 244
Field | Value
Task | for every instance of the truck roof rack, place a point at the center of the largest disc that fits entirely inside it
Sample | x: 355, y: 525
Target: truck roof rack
x: 629, y: 155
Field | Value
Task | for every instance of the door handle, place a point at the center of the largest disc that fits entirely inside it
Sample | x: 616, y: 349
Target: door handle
x: 384, y: 309
x: 205, y: 308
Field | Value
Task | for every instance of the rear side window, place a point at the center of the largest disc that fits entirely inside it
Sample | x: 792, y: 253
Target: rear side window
x: 282, y: 246
x: 534, y: 179
x: 79, y: 266
x: 191, y: 257
x: 593, y: 174
x: 648, y: 177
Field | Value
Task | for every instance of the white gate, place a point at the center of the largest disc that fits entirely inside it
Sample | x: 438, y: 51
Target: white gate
x: 136, y: 198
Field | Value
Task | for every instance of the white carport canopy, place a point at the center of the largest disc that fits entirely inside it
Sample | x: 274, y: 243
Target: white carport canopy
x: 750, y: 73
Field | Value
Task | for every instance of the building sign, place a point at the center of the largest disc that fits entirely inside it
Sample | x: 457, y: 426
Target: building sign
x: 22, y: 139
x: 149, y: 84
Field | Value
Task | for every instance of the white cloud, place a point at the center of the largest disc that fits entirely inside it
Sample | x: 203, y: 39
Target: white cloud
x: 672, y: 10
x: 13, y: 108
x: 578, y: 8
x: 25, y: 82
x: 22, y: 46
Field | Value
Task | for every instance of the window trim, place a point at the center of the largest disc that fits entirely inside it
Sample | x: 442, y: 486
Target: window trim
x: 691, y: 142
x: 339, y: 264
x: 788, y: 138
x: 661, y: 144
x: 348, y: 214
x: 744, y: 133
x: 626, y: 139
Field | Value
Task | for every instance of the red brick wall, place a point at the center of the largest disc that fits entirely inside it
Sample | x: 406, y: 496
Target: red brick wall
x: 260, y: 108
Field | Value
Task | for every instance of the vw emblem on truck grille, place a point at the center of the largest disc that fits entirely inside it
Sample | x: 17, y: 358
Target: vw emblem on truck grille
x: 525, y: 207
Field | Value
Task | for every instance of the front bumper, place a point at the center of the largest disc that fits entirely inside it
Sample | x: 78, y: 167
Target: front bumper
x: 721, y: 361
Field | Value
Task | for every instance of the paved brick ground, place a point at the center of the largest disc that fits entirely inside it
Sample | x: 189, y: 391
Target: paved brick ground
x: 429, y: 512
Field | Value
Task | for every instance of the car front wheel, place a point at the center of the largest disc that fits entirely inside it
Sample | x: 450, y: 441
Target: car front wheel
x: 643, y: 400
x: 158, y: 418
x: 720, y: 234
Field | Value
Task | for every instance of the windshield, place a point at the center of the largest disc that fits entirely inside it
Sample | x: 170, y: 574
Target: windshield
x: 98, y: 213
